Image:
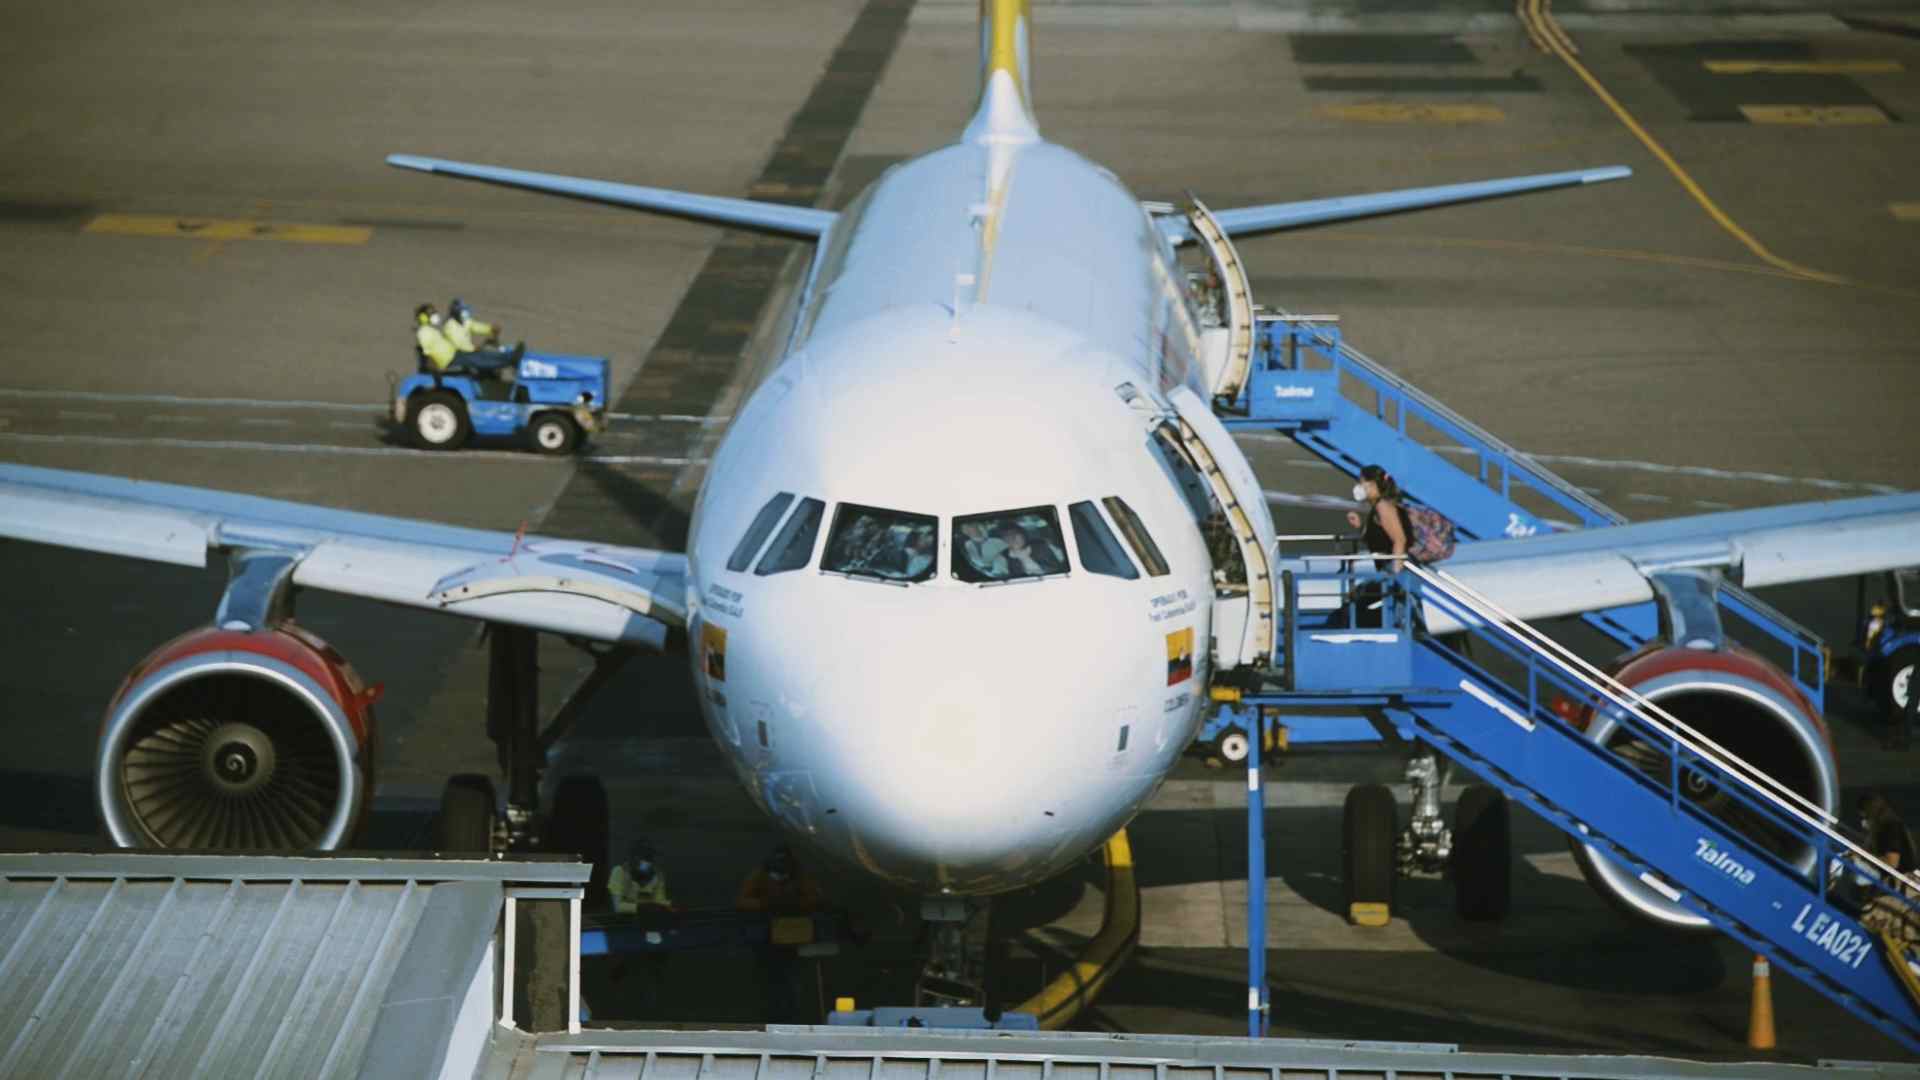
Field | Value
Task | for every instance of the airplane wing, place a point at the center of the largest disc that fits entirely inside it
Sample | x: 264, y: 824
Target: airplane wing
x: 752, y: 214
x: 1540, y: 577
x: 1251, y: 220
x: 596, y: 591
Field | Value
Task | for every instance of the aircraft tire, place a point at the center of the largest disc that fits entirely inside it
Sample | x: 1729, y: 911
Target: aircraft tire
x: 578, y: 825
x: 554, y: 434
x: 1367, y: 828
x: 437, y: 420
x: 1482, y: 855
x: 464, y: 824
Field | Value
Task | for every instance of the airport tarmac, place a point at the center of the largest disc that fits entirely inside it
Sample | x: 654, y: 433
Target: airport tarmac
x: 210, y: 273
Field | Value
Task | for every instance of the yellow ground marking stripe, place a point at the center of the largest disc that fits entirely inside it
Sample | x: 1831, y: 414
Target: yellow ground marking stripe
x: 1804, y: 67
x: 226, y: 229
x: 1815, y: 115
x: 1415, y: 114
x: 1536, y: 10
x: 1905, y: 211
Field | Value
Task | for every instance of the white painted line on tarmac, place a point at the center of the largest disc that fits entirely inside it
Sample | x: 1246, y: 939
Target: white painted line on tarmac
x: 325, y: 449
x: 173, y: 399
x: 643, y: 459
x: 1641, y: 496
x: 75, y: 414
x: 278, y: 448
x: 176, y: 419
x: 265, y: 421
x: 350, y: 425
x: 667, y: 418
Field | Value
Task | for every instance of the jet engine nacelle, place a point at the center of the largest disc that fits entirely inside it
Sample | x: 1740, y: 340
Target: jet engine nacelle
x: 241, y: 740
x: 1747, y: 706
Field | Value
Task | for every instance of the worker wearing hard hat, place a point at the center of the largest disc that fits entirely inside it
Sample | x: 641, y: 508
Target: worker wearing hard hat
x: 449, y: 349
x: 638, y: 882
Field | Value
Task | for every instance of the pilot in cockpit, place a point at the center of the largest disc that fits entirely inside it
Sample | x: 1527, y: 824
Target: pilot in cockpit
x: 919, y: 554
x: 982, y: 549
x: 1024, y: 558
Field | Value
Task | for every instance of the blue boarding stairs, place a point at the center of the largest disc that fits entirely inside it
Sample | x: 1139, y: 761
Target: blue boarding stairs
x: 1305, y: 381
x: 1700, y: 826
x: 1691, y: 820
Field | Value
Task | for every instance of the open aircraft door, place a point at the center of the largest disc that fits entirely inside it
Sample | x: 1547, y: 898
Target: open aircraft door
x: 1243, y: 622
x: 1227, y: 352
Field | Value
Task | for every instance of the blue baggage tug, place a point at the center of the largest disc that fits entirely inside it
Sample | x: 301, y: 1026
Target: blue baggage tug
x: 555, y: 400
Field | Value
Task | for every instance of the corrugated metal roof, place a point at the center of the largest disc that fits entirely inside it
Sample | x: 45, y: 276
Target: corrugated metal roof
x: 832, y: 1053
x: 159, y: 978
x: 124, y: 965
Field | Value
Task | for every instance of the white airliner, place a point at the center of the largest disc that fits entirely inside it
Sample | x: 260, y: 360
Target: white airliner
x: 950, y: 609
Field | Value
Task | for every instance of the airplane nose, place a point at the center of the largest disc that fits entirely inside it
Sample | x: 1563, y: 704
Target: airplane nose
x: 974, y: 752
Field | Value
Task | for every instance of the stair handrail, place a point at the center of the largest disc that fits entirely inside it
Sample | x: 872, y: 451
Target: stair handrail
x: 1539, y: 476
x: 1653, y: 715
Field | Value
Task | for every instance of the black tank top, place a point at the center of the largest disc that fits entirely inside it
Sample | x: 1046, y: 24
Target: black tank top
x: 1375, y: 534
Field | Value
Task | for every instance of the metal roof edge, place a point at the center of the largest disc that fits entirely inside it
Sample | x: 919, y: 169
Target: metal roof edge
x: 343, y: 866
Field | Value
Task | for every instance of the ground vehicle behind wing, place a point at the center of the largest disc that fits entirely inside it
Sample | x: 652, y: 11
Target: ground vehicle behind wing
x: 554, y: 399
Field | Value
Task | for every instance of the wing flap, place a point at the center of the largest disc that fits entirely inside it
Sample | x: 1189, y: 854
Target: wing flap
x: 801, y: 221
x: 1273, y: 217
x: 1567, y: 573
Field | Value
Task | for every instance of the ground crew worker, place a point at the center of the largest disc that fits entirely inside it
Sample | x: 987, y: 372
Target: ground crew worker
x: 778, y: 886
x: 638, y: 882
x: 484, y: 333
x: 444, y: 352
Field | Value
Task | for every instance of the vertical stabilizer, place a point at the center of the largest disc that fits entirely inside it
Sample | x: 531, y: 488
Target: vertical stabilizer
x: 1006, y: 103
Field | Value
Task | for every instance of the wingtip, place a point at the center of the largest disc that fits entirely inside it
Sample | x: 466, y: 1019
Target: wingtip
x: 409, y: 161
x: 1611, y: 172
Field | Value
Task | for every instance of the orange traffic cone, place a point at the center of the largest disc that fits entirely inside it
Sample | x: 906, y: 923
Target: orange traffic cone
x: 1760, y: 1018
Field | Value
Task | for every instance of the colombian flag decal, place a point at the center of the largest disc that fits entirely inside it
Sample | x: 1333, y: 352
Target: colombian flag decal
x: 713, y: 651
x: 1179, y: 656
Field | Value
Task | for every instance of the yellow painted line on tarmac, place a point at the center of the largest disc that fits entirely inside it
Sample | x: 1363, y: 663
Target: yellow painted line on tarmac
x: 1804, y: 67
x: 1541, y: 26
x: 1905, y: 211
x: 194, y: 228
x: 1415, y: 114
x: 1815, y: 115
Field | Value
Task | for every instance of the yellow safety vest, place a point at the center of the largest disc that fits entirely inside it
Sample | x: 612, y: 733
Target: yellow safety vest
x: 434, y: 345
x: 629, y: 894
x: 457, y: 334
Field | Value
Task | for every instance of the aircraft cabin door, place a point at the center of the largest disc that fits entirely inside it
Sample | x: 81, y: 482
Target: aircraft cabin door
x: 1243, y: 612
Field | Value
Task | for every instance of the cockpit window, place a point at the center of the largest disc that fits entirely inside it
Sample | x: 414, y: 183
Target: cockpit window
x: 1135, y: 531
x: 793, y: 547
x: 891, y: 545
x: 1008, y: 546
x: 763, y: 523
x: 1100, y: 550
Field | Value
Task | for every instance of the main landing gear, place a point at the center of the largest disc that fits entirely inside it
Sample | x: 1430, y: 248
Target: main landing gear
x: 1476, y: 852
x: 472, y: 820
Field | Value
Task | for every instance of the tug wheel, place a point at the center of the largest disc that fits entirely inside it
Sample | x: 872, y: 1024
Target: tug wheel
x: 437, y: 420
x: 554, y: 433
x: 1232, y: 747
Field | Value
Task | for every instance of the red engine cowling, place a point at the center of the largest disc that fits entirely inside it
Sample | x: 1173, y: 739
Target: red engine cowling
x: 1747, y: 706
x: 237, y: 740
